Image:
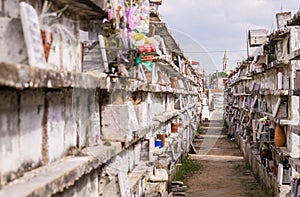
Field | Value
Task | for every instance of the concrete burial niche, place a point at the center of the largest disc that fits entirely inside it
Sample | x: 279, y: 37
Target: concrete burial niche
x: 55, y: 126
x: 12, y: 43
x: 32, y: 108
x: 257, y: 37
x: 9, y: 135
x: 282, y: 18
x: 119, y: 122
x: 54, y: 110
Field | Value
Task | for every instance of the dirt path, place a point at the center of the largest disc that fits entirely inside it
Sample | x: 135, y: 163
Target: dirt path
x: 223, y: 170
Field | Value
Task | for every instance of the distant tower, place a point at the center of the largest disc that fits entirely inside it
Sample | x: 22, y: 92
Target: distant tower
x: 226, y: 62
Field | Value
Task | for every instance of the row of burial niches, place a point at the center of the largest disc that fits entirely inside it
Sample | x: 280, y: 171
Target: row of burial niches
x: 55, y: 39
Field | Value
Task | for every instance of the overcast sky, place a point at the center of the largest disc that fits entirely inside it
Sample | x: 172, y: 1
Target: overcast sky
x: 214, y: 25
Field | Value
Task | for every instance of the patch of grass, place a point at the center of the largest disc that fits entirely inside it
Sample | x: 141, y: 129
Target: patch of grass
x: 199, y: 132
x: 188, y: 166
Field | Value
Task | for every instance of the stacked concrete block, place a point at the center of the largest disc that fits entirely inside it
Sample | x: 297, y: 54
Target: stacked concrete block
x: 137, y: 153
x: 70, y: 134
x: 144, y: 152
x: 93, y: 132
x: 14, y: 48
x: 10, y: 158
x: 119, y: 122
x: 65, y: 52
x: 294, y: 110
x: 294, y: 37
x: 282, y: 19
x: 155, y: 109
x: 55, y: 58
x: 168, y: 128
x: 131, y: 158
x: 157, y: 182
x: 141, y: 111
x: 32, y: 108
x: 71, y: 51
x: 109, y: 186
x: 154, y: 74
x: 151, y: 148
x: 156, y: 106
x: 86, y: 112
x: 295, y: 145
x: 170, y: 103
x: 54, y: 136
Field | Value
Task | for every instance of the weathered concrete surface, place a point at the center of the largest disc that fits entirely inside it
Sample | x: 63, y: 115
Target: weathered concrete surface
x: 12, y: 44
x: 70, y: 134
x: 65, y: 49
x: 119, y: 122
x: 87, y: 185
x: 32, y: 107
x: 54, y: 136
x: 54, y: 178
x: 38, y: 127
x: 23, y: 76
x: 94, y: 127
x: 9, y: 135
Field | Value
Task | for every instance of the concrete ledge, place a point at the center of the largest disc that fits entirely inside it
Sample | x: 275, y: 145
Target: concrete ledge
x: 142, y: 133
x: 23, y: 76
x: 137, y: 174
x: 48, y: 180
x: 146, y: 87
x: 169, y: 115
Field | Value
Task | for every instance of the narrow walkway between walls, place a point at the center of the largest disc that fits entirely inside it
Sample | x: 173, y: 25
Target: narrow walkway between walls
x: 223, y: 170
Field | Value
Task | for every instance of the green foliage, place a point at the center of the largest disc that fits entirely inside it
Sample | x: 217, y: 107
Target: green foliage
x: 199, y: 131
x: 188, y: 166
x: 220, y: 74
x: 223, y: 74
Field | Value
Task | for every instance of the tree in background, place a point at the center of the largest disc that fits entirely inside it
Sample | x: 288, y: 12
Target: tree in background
x: 220, y: 74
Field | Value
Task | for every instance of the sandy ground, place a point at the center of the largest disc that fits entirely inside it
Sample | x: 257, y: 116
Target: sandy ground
x: 223, y: 170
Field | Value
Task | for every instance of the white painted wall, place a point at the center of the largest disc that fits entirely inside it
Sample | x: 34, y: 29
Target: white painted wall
x: 119, y: 122
x: 31, y: 122
x: 13, y: 50
x: 294, y: 110
x: 55, y: 125
x: 294, y: 145
x: 70, y: 123
x: 9, y: 132
x: 94, y: 127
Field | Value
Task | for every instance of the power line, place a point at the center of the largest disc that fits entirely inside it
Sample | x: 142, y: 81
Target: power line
x: 231, y: 51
